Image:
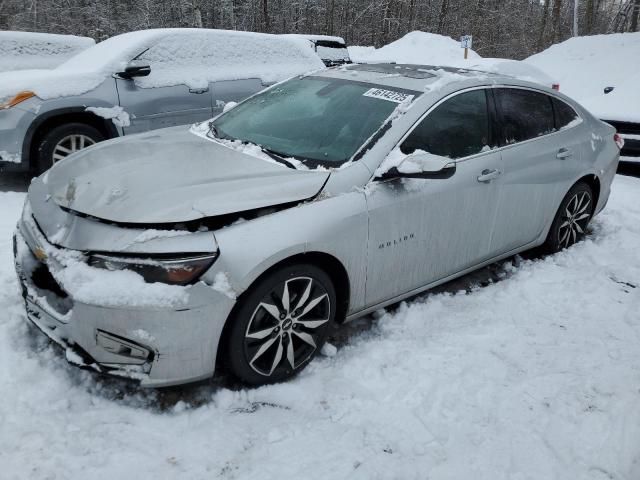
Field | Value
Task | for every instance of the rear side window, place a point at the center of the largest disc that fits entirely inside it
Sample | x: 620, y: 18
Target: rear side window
x: 564, y: 114
x: 457, y: 128
x: 524, y: 114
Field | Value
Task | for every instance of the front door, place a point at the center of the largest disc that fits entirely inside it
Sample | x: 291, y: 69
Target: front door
x: 173, y: 93
x: 150, y: 108
x: 422, y: 230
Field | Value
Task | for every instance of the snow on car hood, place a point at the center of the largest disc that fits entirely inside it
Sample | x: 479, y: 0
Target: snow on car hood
x: 171, y: 176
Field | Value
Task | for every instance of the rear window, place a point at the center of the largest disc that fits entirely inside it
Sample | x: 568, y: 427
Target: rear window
x: 564, y: 114
x: 332, y: 51
x: 525, y: 114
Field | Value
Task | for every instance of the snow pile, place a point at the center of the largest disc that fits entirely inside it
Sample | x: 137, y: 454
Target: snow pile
x: 623, y: 103
x: 27, y: 50
x: 221, y: 284
x: 584, y: 66
x: 193, y: 57
x: 359, y: 54
x: 116, y: 114
x: 10, y: 157
x: 97, y: 286
x: 432, y: 49
x: 533, y: 377
x: 511, y: 68
x: 417, y: 47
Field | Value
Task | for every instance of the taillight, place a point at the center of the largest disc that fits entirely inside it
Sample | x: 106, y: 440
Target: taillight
x: 619, y: 140
x: 555, y: 86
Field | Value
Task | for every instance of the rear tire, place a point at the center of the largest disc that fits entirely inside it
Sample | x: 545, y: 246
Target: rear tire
x: 570, y: 223
x: 62, y: 141
x: 280, y: 324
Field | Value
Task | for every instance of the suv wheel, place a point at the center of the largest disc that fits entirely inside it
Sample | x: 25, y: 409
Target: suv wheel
x: 280, y: 324
x: 63, y: 140
x: 572, y: 218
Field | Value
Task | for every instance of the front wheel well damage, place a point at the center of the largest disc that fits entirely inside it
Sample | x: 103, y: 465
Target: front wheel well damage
x: 326, y: 262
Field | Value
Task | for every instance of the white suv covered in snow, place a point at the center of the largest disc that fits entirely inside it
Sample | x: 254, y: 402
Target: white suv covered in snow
x: 136, y: 82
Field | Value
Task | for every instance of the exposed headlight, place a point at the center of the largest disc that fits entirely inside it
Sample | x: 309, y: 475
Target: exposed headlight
x: 174, y: 271
x: 10, y: 101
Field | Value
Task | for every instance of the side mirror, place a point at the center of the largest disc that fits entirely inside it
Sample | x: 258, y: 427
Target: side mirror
x: 422, y: 165
x: 132, y: 71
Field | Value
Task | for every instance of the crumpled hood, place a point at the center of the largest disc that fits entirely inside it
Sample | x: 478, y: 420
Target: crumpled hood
x: 172, y: 176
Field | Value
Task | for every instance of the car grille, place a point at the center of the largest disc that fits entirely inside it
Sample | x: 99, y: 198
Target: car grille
x: 630, y: 132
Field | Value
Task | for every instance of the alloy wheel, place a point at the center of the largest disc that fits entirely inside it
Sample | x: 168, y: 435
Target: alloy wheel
x: 286, y: 326
x: 70, y: 144
x: 574, y: 219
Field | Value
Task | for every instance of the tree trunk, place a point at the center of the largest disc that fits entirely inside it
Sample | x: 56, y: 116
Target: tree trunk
x: 635, y: 13
x: 444, y: 6
x: 543, y: 25
x: 555, y: 15
x: 197, y: 16
x: 589, y: 18
x: 265, y: 16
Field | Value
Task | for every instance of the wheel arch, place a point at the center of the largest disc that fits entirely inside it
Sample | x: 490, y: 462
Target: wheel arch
x: 325, y: 261
x: 54, y: 118
x: 594, y: 182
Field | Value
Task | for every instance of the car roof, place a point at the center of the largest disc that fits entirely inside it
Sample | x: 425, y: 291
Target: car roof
x: 416, y: 77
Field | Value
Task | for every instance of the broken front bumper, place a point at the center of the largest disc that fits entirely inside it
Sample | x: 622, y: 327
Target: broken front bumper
x: 157, y: 346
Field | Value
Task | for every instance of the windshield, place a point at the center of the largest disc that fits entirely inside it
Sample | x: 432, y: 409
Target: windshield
x: 332, y: 51
x: 317, y: 120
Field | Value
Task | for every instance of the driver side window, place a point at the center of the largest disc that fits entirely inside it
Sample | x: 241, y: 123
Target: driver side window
x: 457, y: 128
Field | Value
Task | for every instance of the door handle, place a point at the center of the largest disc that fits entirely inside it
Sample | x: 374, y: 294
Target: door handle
x: 564, y: 153
x: 487, y: 175
x: 199, y: 90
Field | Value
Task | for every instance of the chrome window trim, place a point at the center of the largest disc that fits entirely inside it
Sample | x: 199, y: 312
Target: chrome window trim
x: 497, y: 149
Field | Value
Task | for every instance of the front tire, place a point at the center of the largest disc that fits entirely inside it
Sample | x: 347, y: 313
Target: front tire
x: 62, y: 141
x: 571, y: 221
x: 280, y: 324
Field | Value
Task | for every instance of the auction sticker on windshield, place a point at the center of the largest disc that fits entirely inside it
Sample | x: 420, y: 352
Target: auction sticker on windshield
x: 389, y: 95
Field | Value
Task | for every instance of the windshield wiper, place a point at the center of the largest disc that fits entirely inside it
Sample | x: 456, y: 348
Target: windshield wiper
x: 213, y: 130
x: 277, y: 156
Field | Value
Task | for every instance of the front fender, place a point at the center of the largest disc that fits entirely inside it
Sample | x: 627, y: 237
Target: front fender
x: 336, y: 225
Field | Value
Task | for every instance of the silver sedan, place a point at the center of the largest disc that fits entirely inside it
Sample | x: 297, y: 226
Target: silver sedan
x: 241, y: 240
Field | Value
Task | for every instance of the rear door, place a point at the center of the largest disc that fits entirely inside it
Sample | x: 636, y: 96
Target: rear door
x: 164, y: 99
x: 536, y: 158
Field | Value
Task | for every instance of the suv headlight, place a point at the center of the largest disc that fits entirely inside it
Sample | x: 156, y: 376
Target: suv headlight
x: 12, y: 100
x: 174, y: 271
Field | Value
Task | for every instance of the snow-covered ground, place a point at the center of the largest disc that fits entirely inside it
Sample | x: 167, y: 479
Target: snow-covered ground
x: 536, y: 376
